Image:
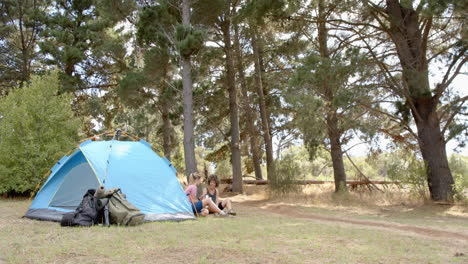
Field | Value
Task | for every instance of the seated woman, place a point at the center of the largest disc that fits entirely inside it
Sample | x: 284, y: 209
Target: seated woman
x: 204, y: 206
x: 212, y: 193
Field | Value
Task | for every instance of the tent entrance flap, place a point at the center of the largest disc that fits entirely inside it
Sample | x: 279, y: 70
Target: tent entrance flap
x: 74, y: 186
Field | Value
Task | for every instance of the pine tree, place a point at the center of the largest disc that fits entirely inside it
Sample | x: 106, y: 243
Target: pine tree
x: 411, y: 28
x: 250, y: 115
x: 329, y: 106
x: 219, y: 14
x: 163, y: 27
x: 19, y: 30
x: 79, y: 39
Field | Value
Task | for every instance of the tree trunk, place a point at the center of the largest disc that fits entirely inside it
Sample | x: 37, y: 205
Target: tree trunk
x: 69, y: 69
x: 261, y: 63
x: 406, y: 32
x: 166, y: 128
x: 24, y: 47
x: 271, y: 171
x: 25, y: 66
x: 189, y: 145
x: 250, y: 115
x: 334, y: 133
x: 432, y: 145
x: 165, y: 110
x: 233, y: 109
x: 336, y: 153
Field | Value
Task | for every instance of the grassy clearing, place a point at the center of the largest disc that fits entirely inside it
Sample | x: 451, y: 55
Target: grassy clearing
x: 256, y: 236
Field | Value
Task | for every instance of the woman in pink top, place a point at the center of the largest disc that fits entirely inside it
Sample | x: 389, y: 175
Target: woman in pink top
x: 204, y: 206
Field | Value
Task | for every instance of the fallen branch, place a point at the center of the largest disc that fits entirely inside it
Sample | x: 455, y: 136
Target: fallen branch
x: 306, y: 182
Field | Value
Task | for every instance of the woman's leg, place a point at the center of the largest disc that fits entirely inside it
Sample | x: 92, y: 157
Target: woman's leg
x: 197, y: 207
x: 211, y: 206
x: 227, y: 204
x: 204, y: 212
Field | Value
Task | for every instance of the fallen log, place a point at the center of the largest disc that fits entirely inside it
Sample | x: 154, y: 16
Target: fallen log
x: 306, y: 182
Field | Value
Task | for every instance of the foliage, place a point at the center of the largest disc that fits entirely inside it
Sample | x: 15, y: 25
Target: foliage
x: 37, y: 127
x: 288, y: 171
x: 154, y: 24
x: 121, y: 59
x: 81, y: 40
x: 156, y: 82
x: 405, y: 167
x: 308, y: 94
x: 131, y: 89
x: 459, y: 166
x: 19, y: 30
x: 189, y: 40
x: 439, y: 41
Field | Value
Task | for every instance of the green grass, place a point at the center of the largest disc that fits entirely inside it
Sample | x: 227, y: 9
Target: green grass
x: 255, y: 236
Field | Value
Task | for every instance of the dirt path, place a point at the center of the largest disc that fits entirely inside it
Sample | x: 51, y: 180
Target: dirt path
x: 291, y: 211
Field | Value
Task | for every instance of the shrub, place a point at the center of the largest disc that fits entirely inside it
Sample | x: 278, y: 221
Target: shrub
x: 288, y: 171
x: 37, y: 127
x: 459, y: 167
x: 403, y: 166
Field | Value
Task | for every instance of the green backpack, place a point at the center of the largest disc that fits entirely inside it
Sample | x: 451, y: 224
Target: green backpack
x: 121, y: 211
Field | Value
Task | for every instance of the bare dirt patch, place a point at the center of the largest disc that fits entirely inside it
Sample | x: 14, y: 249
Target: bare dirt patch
x: 258, y: 198
x: 291, y: 211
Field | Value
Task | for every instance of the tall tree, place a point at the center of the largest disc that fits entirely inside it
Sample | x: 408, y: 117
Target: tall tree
x: 154, y: 82
x: 331, y: 80
x: 331, y: 110
x: 152, y: 90
x: 219, y: 15
x: 80, y: 40
x: 84, y: 41
x: 189, y: 144
x: 266, y: 127
x: 166, y: 27
x: 415, y: 29
x: 19, y: 30
x: 256, y: 13
x: 225, y: 25
x: 248, y: 110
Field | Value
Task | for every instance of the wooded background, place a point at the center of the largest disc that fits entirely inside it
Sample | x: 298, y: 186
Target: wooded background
x: 274, y: 89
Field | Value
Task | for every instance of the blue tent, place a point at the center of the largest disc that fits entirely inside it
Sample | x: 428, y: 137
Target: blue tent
x: 148, y: 180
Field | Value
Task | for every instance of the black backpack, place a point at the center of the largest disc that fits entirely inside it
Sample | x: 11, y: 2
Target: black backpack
x: 89, y: 212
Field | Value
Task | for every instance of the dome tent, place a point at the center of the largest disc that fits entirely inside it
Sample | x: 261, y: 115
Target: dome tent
x: 148, y: 180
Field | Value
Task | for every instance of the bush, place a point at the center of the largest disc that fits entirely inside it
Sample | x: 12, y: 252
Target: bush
x: 288, y: 171
x: 37, y: 127
x: 403, y: 166
x: 459, y: 167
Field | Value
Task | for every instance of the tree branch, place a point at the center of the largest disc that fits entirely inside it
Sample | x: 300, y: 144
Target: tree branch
x: 392, y: 118
x: 446, y: 81
x: 441, y: 51
x: 447, y: 106
x: 452, y: 116
x: 449, y: 121
x: 361, y: 174
x: 427, y: 28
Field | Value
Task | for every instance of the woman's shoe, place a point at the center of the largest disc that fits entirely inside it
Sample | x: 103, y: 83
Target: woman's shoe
x: 232, y: 212
x: 224, y: 215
